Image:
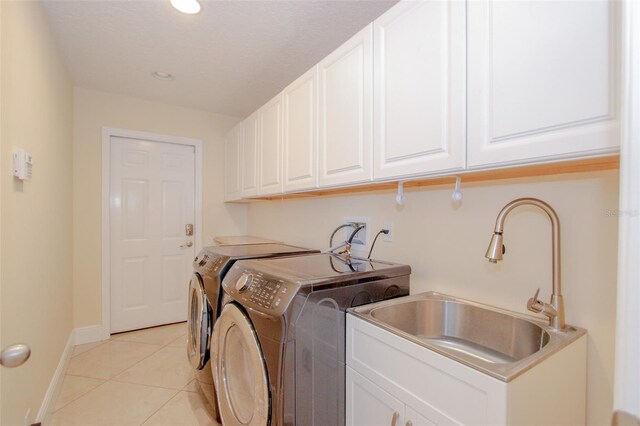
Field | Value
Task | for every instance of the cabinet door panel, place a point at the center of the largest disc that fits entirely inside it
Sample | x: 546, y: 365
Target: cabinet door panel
x: 301, y: 132
x: 249, y: 161
x: 368, y: 405
x: 542, y: 80
x: 346, y: 112
x: 270, y: 177
x: 416, y: 419
x: 232, y: 155
x: 419, y: 88
x: 443, y: 390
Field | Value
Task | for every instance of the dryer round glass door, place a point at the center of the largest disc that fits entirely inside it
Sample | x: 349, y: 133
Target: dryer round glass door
x: 199, y: 324
x: 239, y: 370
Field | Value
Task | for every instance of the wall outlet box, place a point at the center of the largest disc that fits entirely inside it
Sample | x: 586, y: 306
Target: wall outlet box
x: 362, y: 237
x: 389, y: 227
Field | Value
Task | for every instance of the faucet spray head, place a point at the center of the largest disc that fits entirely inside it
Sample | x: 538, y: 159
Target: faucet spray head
x: 496, y: 248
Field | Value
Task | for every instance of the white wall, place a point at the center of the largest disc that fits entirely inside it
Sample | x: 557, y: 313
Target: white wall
x: 445, y: 245
x: 36, y: 245
x: 94, y: 110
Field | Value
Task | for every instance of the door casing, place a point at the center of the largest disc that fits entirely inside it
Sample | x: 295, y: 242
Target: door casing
x: 107, y: 134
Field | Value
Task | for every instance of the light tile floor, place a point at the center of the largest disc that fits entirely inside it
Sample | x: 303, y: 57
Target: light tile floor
x: 136, y: 378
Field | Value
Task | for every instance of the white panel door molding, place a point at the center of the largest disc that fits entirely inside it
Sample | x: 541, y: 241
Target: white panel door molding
x: 300, y: 165
x: 151, y: 191
x: 346, y: 112
x: 270, y: 148
x: 419, y: 88
x: 542, y: 80
x: 249, y: 156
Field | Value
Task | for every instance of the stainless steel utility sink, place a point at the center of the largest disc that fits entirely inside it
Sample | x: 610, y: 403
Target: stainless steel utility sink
x: 500, y: 343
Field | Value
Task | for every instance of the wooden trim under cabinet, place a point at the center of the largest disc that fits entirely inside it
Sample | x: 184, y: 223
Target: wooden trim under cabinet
x: 546, y: 169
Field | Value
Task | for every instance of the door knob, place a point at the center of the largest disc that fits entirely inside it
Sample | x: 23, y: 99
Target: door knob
x: 188, y: 244
x: 15, y: 355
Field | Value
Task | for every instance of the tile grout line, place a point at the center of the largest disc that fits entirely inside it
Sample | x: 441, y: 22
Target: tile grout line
x: 86, y: 377
x: 102, y: 343
x: 127, y: 368
x: 135, y: 363
x: 151, y: 386
x: 160, y: 408
x: 138, y: 362
x: 81, y: 395
x: 113, y: 378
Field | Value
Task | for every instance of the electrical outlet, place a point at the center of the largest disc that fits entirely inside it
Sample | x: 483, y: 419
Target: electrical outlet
x: 361, y: 238
x: 388, y: 237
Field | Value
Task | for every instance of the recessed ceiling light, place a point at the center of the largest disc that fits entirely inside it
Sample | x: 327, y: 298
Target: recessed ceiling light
x: 164, y: 76
x: 189, y: 7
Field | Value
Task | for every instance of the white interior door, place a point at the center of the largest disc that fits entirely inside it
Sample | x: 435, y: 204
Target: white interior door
x: 152, y: 186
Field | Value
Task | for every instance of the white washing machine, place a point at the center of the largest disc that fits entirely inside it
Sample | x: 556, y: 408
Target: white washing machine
x: 278, y: 348
x: 209, y: 269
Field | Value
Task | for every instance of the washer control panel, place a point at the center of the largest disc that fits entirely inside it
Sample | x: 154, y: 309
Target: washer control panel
x: 265, y: 293
x: 244, y: 282
x: 258, y: 291
x: 209, y: 263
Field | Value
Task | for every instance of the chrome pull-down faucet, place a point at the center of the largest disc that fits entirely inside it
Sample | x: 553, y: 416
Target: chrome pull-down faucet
x: 555, y: 310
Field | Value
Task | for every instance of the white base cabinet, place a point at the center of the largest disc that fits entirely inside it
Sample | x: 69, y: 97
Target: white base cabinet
x: 370, y: 405
x: 389, y: 377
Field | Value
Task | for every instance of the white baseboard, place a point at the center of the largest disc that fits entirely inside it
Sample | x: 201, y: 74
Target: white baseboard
x: 90, y: 334
x: 50, y: 398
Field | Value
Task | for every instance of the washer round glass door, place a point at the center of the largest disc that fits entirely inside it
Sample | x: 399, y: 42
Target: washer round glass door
x: 239, y: 370
x: 198, y: 324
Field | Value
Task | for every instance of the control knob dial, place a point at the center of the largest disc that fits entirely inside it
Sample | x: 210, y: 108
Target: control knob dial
x: 244, y: 282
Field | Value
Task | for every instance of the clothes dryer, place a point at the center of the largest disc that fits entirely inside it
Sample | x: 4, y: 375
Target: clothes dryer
x: 278, y: 350
x: 209, y: 269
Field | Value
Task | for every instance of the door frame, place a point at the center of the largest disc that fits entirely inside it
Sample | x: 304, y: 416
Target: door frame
x: 107, y: 134
x: 627, y: 366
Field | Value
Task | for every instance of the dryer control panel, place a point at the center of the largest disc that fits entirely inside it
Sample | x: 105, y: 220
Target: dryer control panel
x: 258, y: 291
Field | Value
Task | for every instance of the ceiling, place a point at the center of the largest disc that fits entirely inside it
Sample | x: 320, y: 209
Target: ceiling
x: 230, y: 58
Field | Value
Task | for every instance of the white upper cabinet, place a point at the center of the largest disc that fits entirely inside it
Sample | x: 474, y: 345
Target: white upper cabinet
x: 300, y: 128
x: 436, y: 86
x: 249, y: 160
x: 419, y: 89
x: 232, y: 158
x: 345, y: 123
x: 270, y: 148
x: 542, y: 80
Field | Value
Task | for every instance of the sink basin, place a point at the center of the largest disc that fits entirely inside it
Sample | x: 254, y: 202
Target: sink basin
x: 500, y: 343
x: 465, y: 329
